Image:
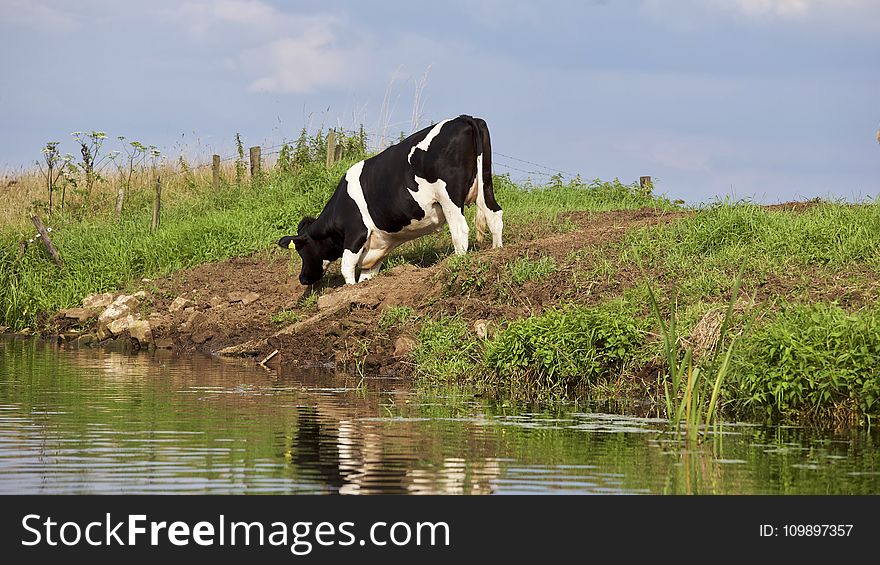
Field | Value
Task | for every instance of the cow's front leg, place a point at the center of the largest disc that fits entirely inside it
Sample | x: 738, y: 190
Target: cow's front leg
x: 350, y: 261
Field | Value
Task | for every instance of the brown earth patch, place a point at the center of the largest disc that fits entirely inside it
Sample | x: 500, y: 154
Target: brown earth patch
x: 341, y: 325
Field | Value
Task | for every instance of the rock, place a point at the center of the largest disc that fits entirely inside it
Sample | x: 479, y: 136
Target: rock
x: 177, y: 304
x: 140, y: 295
x: 119, y: 325
x: 481, y: 328
x: 84, y: 340
x: 122, y: 307
x: 164, y: 343
x: 216, y: 302
x: 97, y: 301
x: 141, y: 331
x: 373, y: 360
x: 78, y: 314
x: 193, y: 323
x: 404, y: 344
x: 244, y: 297
x: 201, y: 337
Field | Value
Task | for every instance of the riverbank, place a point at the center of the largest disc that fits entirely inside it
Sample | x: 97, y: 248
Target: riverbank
x: 563, y: 311
x: 567, y: 314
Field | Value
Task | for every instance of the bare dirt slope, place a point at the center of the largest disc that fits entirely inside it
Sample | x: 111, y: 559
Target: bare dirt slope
x: 255, y: 305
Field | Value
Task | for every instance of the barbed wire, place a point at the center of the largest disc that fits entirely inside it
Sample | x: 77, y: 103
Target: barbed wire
x: 494, y: 153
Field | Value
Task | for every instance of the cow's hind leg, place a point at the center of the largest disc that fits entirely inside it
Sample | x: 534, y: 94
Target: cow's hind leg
x: 458, y: 226
x: 480, y: 225
x: 367, y: 274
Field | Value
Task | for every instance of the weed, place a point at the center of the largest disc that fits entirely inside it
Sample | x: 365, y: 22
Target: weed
x: 684, y: 384
x: 396, y: 315
x: 464, y: 274
x: 285, y: 317
x: 447, y: 349
x: 526, y: 269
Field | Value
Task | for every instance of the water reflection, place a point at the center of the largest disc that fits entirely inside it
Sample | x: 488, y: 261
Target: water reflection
x: 88, y: 421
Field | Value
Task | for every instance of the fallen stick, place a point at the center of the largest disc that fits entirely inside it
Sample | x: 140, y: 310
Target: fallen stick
x: 268, y: 357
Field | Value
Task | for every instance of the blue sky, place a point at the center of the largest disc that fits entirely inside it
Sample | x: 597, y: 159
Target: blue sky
x: 766, y: 99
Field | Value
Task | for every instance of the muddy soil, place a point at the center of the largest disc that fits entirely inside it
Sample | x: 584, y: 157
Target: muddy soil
x: 254, y: 306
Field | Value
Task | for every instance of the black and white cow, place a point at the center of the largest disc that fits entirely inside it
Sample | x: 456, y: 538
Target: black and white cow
x: 408, y: 190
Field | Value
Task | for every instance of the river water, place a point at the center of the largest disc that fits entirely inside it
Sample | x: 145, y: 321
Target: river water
x: 89, y: 421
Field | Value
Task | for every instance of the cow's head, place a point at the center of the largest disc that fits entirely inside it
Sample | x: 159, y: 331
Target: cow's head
x: 311, y: 249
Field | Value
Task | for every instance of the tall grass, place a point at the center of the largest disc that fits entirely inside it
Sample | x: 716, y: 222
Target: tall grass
x: 559, y: 195
x: 101, y: 253
x: 686, y: 383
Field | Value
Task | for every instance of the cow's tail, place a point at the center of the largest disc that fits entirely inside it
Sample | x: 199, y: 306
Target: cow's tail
x: 488, y: 210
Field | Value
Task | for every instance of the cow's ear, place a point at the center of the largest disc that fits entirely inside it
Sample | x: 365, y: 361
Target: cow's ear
x: 290, y: 241
x: 304, y: 223
x: 299, y: 240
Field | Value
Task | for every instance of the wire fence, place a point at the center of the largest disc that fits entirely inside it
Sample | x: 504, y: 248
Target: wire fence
x: 499, y: 159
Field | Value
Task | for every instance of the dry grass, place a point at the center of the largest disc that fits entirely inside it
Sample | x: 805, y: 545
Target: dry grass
x: 23, y: 193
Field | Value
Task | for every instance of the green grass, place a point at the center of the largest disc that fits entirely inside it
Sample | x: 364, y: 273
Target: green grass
x: 828, y: 234
x: 396, y: 315
x: 448, y: 349
x: 285, y: 317
x: 525, y: 203
x: 524, y: 269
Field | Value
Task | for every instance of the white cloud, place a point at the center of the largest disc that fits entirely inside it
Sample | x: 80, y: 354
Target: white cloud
x: 218, y: 19
x: 298, y: 64
x: 37, y: 15
x: 690, y: 14
x: 277, y: 51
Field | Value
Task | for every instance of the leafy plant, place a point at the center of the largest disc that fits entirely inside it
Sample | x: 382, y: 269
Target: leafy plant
x: 567, y: 343
x: 811, y: 359
x: 464, y: 273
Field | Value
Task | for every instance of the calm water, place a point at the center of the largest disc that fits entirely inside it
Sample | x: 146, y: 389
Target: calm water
x: 89, y: 421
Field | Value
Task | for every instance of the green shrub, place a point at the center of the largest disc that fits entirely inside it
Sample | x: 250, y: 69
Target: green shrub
x: 811, y: 358
x: 573, y: 343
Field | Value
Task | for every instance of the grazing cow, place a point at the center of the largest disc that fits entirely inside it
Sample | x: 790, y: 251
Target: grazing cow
x: 408, y: 190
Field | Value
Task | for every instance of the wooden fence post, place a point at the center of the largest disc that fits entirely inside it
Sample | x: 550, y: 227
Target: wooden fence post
x: 215, y: 172
x: 337, y: 154
x: 120, y: 199
x: 47, y: 243
x: 331, y: 147
x: 157, y: 205
x: 255, y: 163
x: 645, y: 182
